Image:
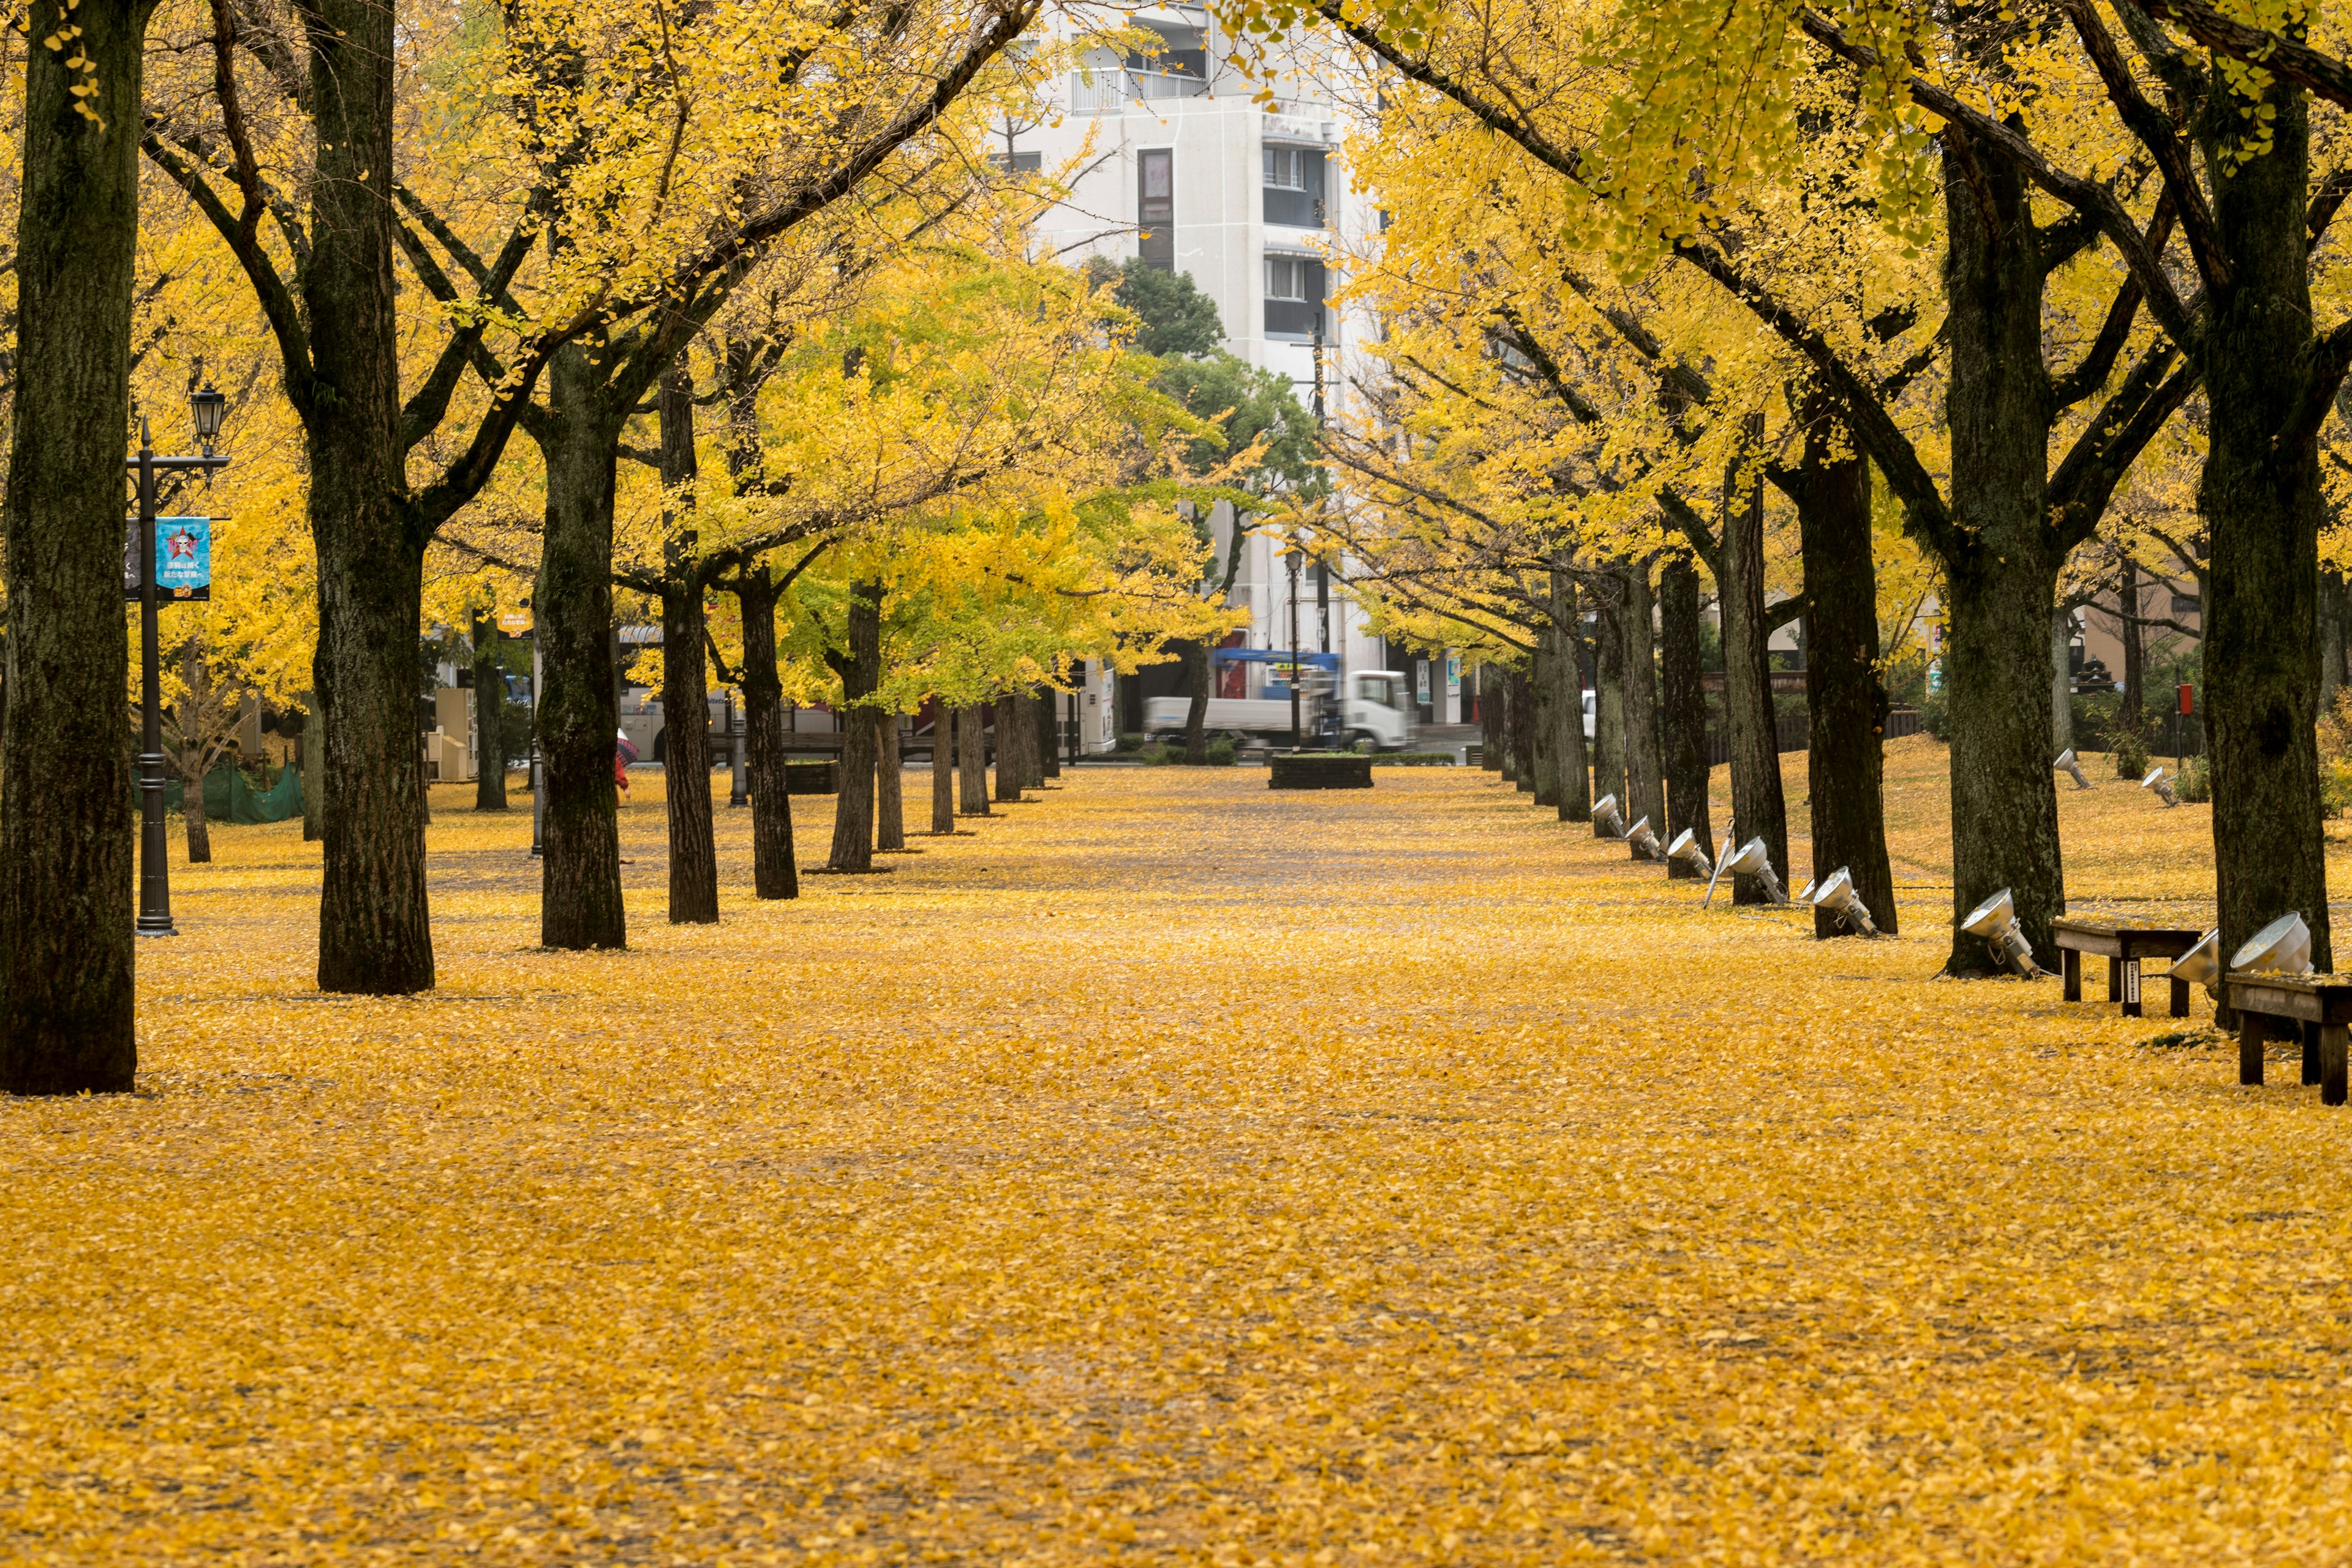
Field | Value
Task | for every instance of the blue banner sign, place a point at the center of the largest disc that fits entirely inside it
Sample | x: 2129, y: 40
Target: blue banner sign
x: 183, y: 559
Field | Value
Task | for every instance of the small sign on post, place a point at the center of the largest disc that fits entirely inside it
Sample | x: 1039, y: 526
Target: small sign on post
x: 183, y: 559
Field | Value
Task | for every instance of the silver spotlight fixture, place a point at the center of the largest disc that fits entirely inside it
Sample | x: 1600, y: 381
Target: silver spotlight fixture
x: 2067, y: 764
x: 2202, y: 964
x: 1838, y: 897
x: 1690, y: 852
x: 1995, y: 919
x: 1753, y: 861
x: 2155, y: 781
x: 1804, y: 895
x: 2281, y: 947
x: 1606, y: 814
x: 1644, y: 842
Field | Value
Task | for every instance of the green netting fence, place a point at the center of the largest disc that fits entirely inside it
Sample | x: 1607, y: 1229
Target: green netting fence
x: 229, y: 798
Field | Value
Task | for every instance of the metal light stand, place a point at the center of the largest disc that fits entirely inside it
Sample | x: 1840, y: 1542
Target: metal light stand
x: 154, y: 848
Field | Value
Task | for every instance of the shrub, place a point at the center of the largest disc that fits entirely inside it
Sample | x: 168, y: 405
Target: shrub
x: 1159, y: 756
x: 2131, y: 756
x: 2195, y: 780
x: 1221, y: 751
x: 1936, y: 715
x: 1414, y: 760
x: 1130, y: 742
x: 2335, y: 757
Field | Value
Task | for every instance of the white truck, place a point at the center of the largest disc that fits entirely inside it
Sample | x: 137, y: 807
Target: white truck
x: 1377, y: 709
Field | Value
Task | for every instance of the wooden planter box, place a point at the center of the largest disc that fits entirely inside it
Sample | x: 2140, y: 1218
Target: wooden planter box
x: 805, y: 776
x: 1319, y: 769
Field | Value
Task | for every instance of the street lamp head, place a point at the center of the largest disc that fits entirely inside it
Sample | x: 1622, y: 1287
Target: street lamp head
x: 207, y: 404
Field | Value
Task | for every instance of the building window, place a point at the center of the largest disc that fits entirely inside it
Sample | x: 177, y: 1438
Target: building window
x: 1286, y: 278
x: 1156, y: 208
x: 1018, y: 162
x: 1293, y: 295
x: 1293, y: 187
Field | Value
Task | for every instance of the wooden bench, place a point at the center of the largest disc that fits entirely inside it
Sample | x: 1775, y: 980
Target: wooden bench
x: 2122, y: 945
x: 2320, y: 1005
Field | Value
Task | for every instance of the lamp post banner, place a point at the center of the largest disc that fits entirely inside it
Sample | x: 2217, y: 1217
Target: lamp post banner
x: 183, y: 559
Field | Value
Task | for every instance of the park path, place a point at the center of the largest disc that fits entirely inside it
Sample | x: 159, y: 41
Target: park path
x: 1175, y: 1172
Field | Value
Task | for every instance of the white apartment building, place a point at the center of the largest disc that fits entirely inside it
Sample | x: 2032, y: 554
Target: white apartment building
x: 1167, y: 155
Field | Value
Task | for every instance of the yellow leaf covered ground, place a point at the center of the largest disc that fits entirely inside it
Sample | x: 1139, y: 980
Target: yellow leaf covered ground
x: 1174, y: 1171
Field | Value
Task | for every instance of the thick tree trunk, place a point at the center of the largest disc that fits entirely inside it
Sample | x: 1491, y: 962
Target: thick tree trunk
x: 889, y: 795
x: 773, y: 874
x: 1523, y: 731
x: 312, y: 746
x: 2001, y: 578
x: 2132, y: 716
x: 1506, y: 718
x: 2062, y: 684
x: 1609, y: 710
x: 1683, y: 716
x: 1758, y: 809
x: 489, y: 719
x: 944, y: 727
x: 197, y: 677
x: 861, y: 673
x: 375, y: 931
x: 1196, y: 717
x: 1568, y: 703
x: 2261, y: 503
x: 686, y: 692
x: 1645, y: 782
x: 1845, y: 699
x: 972, y: 760
x: 1011, y: 747
x: 1049, y: 755
x: 1543, y: 702
x: 579, y: 712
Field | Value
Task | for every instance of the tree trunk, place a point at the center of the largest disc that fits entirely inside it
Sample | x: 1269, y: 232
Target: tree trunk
x: 197, y: 677
x: 944, y: 727
x: 972, y: 760
x: 1758, y: 809
x: 2259, y: 501
x: 1506, y: 718
x: 1490, y: 721
x: 313, y: 748
x: 2000, y: 576
x: 1196, y: 717
x: 1644, y: 766
x: 489, y: 719
x: 2131, y: 717
x: 2061, y: 683
x: 1012, y: 746
x: 1609, y: 711
x: 2332, y: 631
x: 890, y: 797
x: 579, y: 712
x: 1568, y: 703
x: 1523, y: 731
x: 1845, y: 699
x: 375, y: 934
x: 1049, y: 755
x: 1683, y: 717
x: 773, y: 874
x: 1543, y: 704
x: 685, y: 692
x: 861, y: 673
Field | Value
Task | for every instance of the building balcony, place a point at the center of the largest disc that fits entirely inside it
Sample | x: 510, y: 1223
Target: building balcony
x: 1110, y: 89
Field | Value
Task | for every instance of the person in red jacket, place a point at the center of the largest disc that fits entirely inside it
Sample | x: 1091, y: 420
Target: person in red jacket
x: 623, y: 753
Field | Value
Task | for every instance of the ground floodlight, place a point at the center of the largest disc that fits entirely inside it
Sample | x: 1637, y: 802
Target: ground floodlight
x: 2202, y: 964
x: 1804, y: 895
x: 2155, y: 781
x: 1995, y: 919
x: 2281, y: 947
x: 2067, y: 764
x: 1838, y: 897
x: 1644, y: 842
x: 1753, y: 861
x: 1605, y: 813
x: 1691, y: 852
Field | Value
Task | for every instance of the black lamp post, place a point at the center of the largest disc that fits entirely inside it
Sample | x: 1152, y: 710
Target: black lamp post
x: 154, y: 858
x: 1295, y: 672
